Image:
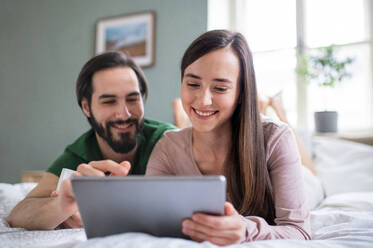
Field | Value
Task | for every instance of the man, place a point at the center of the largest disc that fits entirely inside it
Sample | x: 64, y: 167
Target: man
x: 110, y: 89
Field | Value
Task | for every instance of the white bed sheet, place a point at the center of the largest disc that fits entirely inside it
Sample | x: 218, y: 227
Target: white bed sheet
x: 343, y: 219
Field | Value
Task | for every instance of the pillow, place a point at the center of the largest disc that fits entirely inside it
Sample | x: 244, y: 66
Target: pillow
x: 343, y: 166
x: 313, y: 189
x: 11, y: 194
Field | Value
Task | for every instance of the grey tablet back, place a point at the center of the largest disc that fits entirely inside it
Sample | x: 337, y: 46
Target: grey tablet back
x: 154, y: 205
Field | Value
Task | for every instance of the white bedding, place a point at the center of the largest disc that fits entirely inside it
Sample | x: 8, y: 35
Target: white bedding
x: 343, y: 219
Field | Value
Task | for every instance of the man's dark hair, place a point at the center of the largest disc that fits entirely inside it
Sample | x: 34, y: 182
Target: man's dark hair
x: 84, y: 88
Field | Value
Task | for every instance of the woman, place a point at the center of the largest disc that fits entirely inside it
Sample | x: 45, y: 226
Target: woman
x: 228, y: 136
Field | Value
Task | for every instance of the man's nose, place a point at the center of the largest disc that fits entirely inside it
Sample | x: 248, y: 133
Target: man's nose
x: 123, y: 112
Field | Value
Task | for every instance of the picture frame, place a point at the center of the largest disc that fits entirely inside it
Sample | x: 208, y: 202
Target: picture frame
x: 133, y: 34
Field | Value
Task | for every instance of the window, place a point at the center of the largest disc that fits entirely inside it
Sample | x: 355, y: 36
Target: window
x: 347, y: 27
x: 270, y: 27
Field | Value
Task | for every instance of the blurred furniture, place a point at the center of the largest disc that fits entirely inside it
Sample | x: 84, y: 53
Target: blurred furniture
x: 361, y: 136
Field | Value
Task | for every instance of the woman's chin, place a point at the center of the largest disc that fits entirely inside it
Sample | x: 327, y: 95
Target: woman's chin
x: 203, y: 128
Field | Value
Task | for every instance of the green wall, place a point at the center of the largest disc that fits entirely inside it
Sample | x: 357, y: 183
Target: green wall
x: 44, y: 44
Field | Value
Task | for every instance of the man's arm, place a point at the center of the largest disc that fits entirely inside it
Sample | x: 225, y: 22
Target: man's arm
x: 39, y: 211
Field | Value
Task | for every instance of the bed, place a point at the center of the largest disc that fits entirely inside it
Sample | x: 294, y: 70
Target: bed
x: 341, y: 216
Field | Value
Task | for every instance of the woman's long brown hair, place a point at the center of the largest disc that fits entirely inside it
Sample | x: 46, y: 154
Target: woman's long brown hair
x: 248, y: 183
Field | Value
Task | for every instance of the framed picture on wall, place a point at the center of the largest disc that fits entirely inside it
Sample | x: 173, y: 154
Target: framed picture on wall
x: 132, y: 34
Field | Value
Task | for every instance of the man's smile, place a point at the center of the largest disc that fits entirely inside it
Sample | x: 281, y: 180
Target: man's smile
x: 122, y: 128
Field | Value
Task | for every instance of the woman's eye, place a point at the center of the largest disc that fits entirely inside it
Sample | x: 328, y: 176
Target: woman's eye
x: 221, y: 89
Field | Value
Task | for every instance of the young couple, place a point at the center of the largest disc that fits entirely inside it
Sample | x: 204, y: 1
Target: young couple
x: 229, y: 137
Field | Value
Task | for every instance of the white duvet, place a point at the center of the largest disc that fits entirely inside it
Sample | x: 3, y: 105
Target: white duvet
x: 343, y: 219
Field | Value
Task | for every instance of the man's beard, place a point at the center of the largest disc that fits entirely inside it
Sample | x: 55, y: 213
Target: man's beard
x: 125, y: 143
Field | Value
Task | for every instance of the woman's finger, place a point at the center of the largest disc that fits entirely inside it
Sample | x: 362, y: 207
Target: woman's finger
x: 229, y: 209
x: 217, y: 222
x: 227, y: 239
x: 207, y: 230
x: 220, y: 241
x: 231, y: 220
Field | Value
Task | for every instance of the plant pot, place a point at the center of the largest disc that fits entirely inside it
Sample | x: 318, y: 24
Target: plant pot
x: 326, y: 122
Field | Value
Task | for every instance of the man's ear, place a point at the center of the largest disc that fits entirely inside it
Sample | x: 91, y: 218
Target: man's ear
x: 85, y: 107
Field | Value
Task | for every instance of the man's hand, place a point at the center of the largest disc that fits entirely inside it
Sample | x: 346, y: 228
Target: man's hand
x: 219, y: 230
x: 74, y: 221
x: 99, y: 168
x: 67, y: 205
x: 65, y: 198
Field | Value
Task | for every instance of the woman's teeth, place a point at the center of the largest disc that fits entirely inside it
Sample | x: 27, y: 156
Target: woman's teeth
x: 208, y: 113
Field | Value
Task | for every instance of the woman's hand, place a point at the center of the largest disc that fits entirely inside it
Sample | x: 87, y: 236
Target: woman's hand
x: 219, y: 230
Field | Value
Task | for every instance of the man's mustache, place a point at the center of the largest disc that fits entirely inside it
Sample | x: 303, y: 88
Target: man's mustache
x: 120, y: 122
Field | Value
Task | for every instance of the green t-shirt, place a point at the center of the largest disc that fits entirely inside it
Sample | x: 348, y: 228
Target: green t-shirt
x: 86, y: 149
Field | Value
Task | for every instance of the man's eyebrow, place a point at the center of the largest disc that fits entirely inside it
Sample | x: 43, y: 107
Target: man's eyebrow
x: 135, y: 93
x: 103, y: 96
x: 192, y: 76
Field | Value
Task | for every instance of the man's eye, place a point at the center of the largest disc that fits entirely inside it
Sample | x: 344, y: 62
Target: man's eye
x: 132, y: 99
x: 109, y: 102
x: 193, y: 85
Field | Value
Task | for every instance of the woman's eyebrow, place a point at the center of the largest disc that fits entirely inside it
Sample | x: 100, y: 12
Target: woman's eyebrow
x: 223, y: 80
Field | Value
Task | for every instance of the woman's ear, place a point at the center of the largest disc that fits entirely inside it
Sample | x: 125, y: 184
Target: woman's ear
x: 85, y: 107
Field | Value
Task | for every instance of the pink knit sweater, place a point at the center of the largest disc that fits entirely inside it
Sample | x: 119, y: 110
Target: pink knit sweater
x: 173, y: 155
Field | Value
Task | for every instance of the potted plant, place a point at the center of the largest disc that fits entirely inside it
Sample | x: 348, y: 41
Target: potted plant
x: 326, y: 70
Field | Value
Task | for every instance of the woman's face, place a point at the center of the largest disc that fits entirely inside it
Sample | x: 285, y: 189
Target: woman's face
x: 210, y: 89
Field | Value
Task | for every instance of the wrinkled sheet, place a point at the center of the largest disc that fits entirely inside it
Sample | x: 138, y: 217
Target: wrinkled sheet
x: 343, y: 219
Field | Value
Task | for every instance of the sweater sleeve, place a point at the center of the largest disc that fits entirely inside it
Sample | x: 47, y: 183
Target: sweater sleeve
x: 292, y: 215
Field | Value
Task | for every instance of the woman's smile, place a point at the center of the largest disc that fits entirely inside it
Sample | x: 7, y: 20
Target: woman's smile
x: 204, y: 114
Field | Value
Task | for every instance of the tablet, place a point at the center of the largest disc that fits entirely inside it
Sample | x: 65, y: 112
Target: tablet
x: 154, y: 205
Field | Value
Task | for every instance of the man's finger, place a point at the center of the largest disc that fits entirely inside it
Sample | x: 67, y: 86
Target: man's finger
x: 54, y: 194
x: 66, y: 190
x: 89, y: 170
x: 77, y: 219
x: 76, y: 174
x: 109, y: 166
x: 66, y: 199
x: 126, y: 169
x: 73, y: 221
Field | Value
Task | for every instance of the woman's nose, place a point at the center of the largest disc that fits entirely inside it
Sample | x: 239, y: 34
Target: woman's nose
x: 206, y: 97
